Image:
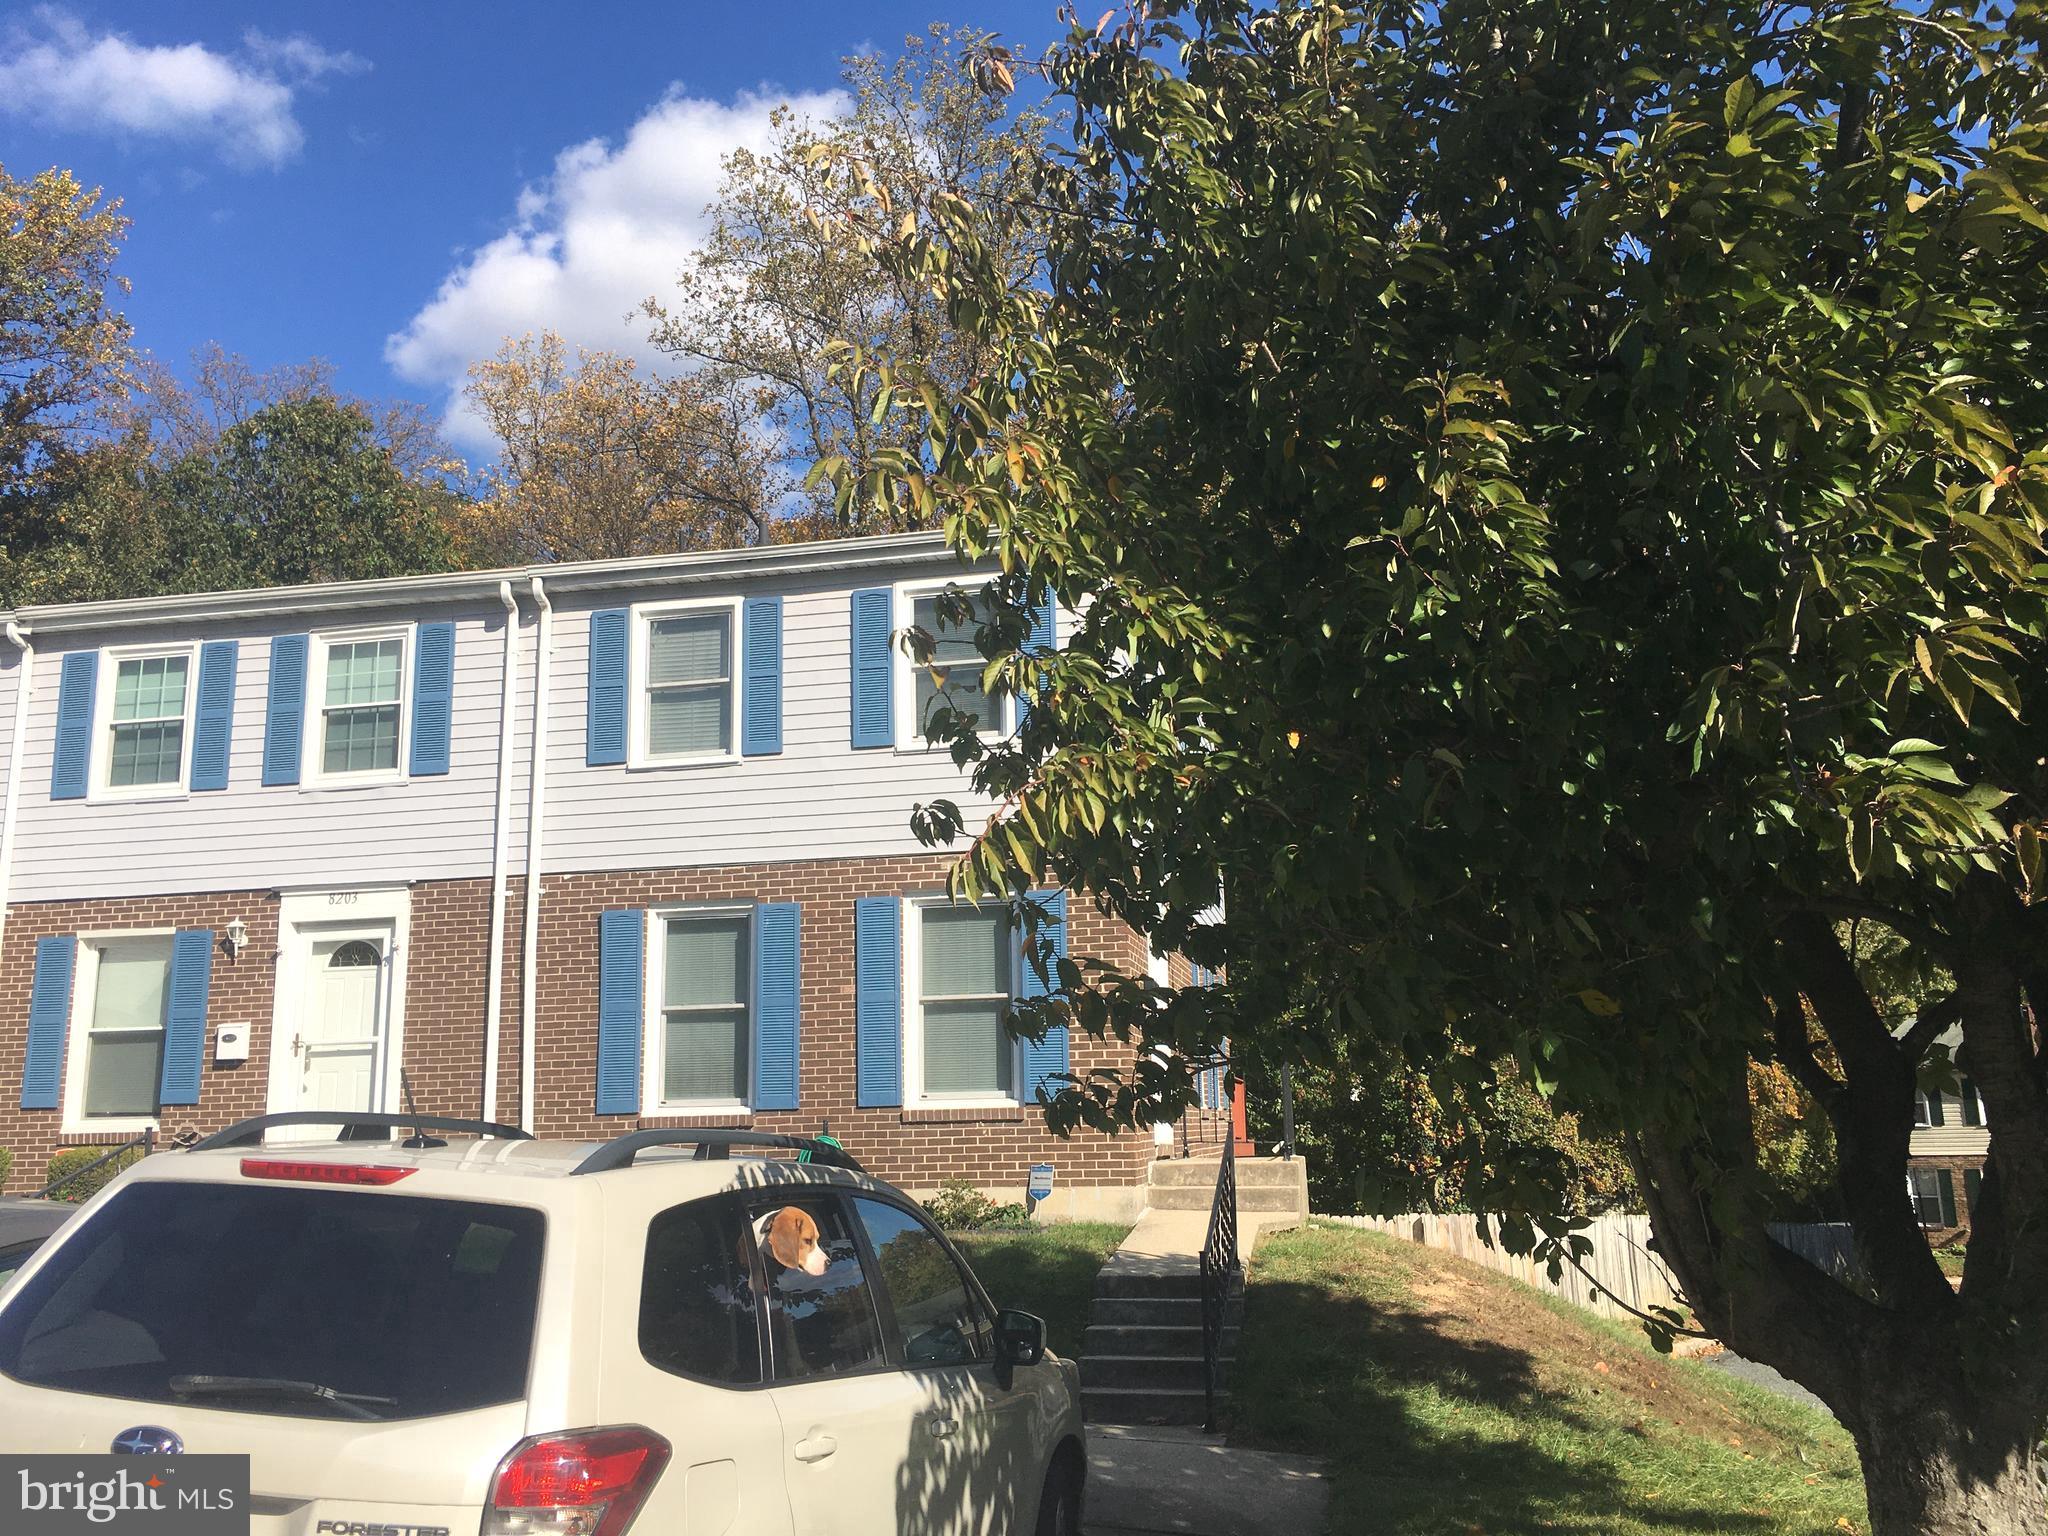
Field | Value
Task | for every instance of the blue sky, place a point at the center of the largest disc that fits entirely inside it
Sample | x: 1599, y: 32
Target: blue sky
x: 393, y: 187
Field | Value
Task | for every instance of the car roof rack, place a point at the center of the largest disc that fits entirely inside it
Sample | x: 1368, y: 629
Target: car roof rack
x: 356, y: 1125
x: 713, y: 1145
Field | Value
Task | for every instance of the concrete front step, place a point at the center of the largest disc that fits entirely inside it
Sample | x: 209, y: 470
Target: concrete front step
x: 1173, y: 1373
x: 1139, y: 1280
x: 1250, y: 1171
x: 1158, y: 1311
x: 1151, y: 1339
x: 1254, y: 1197
x: 1138, y: 1405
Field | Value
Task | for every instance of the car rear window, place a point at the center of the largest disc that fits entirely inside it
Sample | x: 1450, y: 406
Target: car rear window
x: 402, y: 1306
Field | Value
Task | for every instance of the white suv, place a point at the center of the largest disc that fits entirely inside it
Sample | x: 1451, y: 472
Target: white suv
x: 510, y: 1337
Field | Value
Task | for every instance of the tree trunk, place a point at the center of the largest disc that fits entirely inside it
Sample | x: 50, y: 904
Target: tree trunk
x: 1938, y: 1464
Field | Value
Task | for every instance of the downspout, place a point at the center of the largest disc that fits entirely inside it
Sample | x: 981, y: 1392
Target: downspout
x: 536, y: 800
x: 25, y: 674
x: 501, y: 835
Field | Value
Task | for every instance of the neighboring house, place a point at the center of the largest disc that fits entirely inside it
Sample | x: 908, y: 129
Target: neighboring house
x: 270, y: 850
x: 1945, y: 1165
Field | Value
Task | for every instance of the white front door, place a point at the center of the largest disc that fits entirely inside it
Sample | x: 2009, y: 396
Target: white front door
x: 340, y: 1040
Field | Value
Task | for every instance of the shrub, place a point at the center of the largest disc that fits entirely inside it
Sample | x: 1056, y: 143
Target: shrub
x: 6, y: 1166
x: 960, y: 1207
x: 71, y: 1159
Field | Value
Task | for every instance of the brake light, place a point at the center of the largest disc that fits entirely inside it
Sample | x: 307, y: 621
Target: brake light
x: 588, y: 1482
x: 374, y: 1174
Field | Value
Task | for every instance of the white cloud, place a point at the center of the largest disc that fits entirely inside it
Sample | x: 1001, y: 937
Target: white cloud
x: 608, y: 228
x: 55, y: 70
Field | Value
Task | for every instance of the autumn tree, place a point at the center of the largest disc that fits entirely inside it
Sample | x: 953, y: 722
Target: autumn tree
x: 1556, y: 502
x: 64, y: 347
x: 756, y: 309
x: 598, y: 460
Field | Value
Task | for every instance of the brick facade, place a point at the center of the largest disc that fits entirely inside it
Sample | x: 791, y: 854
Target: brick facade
x: 446, y: 988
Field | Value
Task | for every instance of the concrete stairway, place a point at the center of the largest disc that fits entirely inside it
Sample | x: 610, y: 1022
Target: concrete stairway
x: 1141, y: 1358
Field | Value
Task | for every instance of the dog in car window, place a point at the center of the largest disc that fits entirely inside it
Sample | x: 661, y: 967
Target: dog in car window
x: 790, y: 1237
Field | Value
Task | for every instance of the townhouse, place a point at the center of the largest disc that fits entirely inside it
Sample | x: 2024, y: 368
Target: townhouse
x: 1946, y: 1153
x: 578, y: 847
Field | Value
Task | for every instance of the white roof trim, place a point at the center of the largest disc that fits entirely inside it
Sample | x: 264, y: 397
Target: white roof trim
x: 692, y: 567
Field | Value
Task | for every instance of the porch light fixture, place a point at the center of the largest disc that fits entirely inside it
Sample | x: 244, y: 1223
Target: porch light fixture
x: 237, y: 935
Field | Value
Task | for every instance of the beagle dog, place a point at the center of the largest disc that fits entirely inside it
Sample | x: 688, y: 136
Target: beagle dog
x: 790, y: 1237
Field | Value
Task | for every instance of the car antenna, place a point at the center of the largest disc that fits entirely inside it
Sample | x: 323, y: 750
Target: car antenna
x: 418, y: 1138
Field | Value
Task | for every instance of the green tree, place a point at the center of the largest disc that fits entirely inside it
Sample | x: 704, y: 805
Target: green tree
x: 756, y: 308
x: 1555, y: 498
x: 64, y: 348
x: 299, y: 492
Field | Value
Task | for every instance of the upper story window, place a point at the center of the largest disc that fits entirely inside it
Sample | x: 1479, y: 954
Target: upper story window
x: 146, y: 729
x: 700, y: 1056
x: 951, y: 679
x: 115, y: 1063
x: 359, y: 704
x: 687, y: 683
x: 965, y: 973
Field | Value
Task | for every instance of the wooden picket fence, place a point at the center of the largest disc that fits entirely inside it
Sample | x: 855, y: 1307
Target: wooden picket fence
x: 1621, y: 1264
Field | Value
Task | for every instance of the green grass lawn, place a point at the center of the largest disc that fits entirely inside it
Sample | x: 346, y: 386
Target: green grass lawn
x: 1452, y: 1400
x: 1047, y: 1269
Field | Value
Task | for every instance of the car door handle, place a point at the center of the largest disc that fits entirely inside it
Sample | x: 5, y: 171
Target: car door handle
x: 816, y: 1448
x: 940, y: 1426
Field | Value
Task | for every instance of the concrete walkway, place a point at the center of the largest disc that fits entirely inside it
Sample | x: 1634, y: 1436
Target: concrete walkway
x: 1172, y: 1481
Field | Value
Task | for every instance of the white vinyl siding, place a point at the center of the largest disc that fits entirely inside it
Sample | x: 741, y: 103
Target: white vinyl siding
x: 965, y: 973
x: 700, y: 1056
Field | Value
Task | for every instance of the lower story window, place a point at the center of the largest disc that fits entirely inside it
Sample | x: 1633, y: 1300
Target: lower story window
x: 1934, y: 1196
x: 124, y: 1035
x: 964, y: 993
x: 703, y: 1052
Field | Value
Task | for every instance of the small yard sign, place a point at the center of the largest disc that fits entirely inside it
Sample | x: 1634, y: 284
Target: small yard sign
x: 1040, y: 1185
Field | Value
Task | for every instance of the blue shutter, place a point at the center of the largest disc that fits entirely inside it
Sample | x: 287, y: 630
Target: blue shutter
x: 215, y: 716
x: 605, y: 727
x: 185, y: 1014
x: 71, y: 765
x: 1043, y: 1058
x: 878, y: 1001
x: 874, y: 722
x: 284, y: 718
x: 621, y: 986
x: 49, y: 1015
x: 1043, y: 642
x: 775, y: 1005
x: 761, y: 679
x: 433, y: 696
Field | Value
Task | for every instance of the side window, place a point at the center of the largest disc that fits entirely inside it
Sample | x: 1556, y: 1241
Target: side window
x: 935, y: 1313
x: 821, y: 1310
x: 697, y: 1311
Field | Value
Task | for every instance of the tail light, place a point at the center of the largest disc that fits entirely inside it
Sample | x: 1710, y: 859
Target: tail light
x: 375, y: 1175
x: 587, y: 1482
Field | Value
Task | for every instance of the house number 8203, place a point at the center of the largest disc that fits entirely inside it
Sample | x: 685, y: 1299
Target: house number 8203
x: 342, y: 899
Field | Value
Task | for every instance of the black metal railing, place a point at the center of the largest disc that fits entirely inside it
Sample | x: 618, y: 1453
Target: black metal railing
x: 1219, y: 1276
x: 146, y: 1141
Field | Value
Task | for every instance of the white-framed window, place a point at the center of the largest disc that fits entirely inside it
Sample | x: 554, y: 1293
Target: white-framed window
x: 1933, y: 1192
x: 960, y: 976
x: 356, y: 706
x: 115, y: 1056
x: 142, y: 739
x: 685, y: 683
x: 952, y: 678
x: 698, y: 1054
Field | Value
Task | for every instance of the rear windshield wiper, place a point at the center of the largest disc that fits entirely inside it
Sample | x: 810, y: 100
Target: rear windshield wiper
x: 356, y: 1405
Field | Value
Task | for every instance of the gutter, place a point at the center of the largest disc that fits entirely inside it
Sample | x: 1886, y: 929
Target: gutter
x: 692, y: 568
x: 501, y: 836
x: 24, y: 688
x: 536, y: 803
